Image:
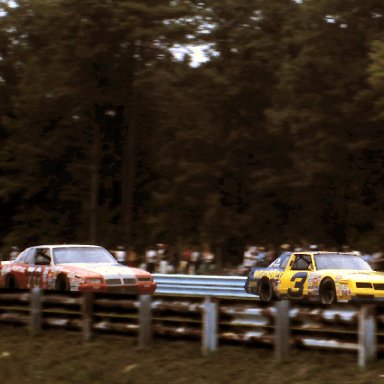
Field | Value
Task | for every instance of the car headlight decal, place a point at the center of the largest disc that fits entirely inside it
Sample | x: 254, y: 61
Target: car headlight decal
x: 94, y: 280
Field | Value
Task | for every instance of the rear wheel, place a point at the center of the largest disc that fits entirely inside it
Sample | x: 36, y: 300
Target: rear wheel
x: 11, y: 283
x: 327, y: 292
x: 62, y: 283
x: 265, y: 290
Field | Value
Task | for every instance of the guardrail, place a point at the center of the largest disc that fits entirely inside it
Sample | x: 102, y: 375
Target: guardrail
x: 201, y: 285
x: 210, y: 308
x: 249, y: 321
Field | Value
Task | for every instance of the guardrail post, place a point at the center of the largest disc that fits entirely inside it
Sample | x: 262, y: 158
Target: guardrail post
x: 210, y: 320
x: 367, y: 348
x: 87, y: 314
x: 145, y: 321
x: 282, y: 330
x: 35, y: 320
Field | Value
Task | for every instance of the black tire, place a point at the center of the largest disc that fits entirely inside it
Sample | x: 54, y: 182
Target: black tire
x: 11, y: 283
x: 62, y: 283
x: 265, y: 290
x: 327, y: 292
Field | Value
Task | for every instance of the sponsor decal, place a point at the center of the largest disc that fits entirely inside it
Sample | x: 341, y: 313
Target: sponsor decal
x: 51, y: 282
x: 313, y: 284
x: 33, y: 276
x: 276, y: 283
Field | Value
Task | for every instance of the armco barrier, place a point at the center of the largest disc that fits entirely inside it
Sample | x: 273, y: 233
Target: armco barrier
x: 201, y: 285
x: 211, y: 308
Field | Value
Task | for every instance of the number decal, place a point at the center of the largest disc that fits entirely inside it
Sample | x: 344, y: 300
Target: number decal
x: 33, y: 277
x: 299, y: 279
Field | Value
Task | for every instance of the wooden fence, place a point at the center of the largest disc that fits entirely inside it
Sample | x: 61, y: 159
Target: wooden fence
x: 212, y: 320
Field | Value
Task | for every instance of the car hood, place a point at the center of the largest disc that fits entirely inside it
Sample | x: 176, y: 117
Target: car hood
x: 109, y: 271
x: 360, y: 276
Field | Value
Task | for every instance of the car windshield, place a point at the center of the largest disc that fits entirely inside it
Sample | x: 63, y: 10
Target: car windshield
x: 69, y: 255
x: 338, y: 261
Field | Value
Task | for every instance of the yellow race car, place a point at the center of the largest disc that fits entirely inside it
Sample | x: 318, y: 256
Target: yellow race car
x: 327, y: 277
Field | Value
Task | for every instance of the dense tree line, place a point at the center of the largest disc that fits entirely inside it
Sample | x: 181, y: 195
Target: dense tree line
x: 107, y: 138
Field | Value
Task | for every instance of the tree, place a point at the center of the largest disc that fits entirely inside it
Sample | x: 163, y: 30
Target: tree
x: 83, y: 126
x: 320, y: 106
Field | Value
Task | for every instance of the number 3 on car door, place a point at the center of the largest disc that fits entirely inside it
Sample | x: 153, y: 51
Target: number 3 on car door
x: 298, y: 280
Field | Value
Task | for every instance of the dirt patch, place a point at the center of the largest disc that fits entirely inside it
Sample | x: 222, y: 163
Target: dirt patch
x: 63, y: 357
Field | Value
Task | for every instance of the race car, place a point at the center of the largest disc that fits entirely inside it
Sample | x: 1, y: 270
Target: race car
x: 73, y: 268
x: 325, y: 277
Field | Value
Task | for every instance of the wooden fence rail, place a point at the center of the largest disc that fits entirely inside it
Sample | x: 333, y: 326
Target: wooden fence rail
x: 283, y: 325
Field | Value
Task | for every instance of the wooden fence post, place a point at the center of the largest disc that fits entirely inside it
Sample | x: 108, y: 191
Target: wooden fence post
x: 282, y: 330
x: 210, y: 320
x: 367, y: 348
x: 145, y: 321
x: 35, y: 320
x: 87, y: 315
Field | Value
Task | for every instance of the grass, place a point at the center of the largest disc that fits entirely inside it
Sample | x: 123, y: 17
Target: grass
x: 62, y: 357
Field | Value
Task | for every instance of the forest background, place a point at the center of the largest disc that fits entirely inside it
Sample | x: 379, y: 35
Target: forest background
x: 107, y: 138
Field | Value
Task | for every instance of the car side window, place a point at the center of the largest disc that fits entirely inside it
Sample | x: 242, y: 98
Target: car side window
x: 42, y: 257
x: 302, y: 263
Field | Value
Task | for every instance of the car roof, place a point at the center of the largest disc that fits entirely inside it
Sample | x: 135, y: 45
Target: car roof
x: 65, y: 246
x: 325, y: 253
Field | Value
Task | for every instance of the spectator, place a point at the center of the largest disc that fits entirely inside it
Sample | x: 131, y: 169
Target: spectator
x: 121, y: 255
x: 285, y: 249
x: 162, y: 258
x: 208, y: 258
x: 261, y: 258
x: 271, y: 256
x: 250, y: 256
x: 174, y: 259
x: 15, y: 251
x: 132, y: 257
x: 185, y: 261
x: 195, y: 262
x: 151, y: 259
x: 377, y: 261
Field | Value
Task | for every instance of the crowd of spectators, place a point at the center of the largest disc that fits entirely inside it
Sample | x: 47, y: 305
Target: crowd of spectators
x: 162, y: 258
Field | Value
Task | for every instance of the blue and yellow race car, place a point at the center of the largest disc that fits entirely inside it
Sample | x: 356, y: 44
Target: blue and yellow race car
x: 326, y: 277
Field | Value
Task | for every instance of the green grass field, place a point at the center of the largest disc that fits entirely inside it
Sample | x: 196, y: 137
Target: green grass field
x: 62, y: 357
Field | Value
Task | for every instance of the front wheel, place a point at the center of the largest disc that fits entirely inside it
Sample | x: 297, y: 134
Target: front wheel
x: 265, y: 291
x: 62, y: 283
x: 327, y: 292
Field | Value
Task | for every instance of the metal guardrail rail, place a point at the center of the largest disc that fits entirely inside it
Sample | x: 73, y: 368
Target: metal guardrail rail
x: 242, y: 318
x: 201, y: 286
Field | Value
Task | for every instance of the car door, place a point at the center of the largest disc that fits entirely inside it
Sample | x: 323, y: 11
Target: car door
x: 20, y: 267
x: 40, y: 264
x: 294, y: 282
